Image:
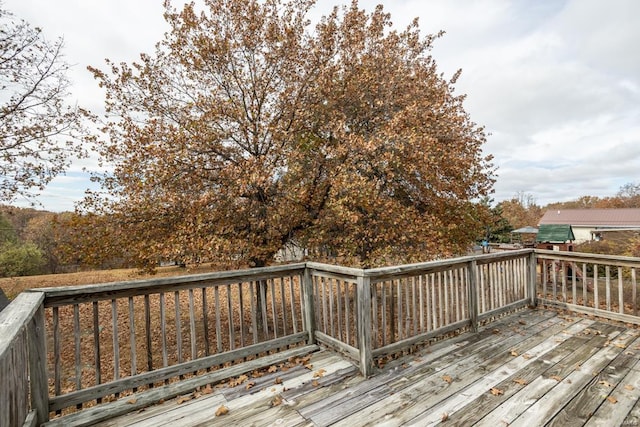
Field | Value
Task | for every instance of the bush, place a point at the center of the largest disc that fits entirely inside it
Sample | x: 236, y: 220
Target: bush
x: 20, y: 260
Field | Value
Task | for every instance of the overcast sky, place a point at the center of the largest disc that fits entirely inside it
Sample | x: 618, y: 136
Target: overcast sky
x: 555, y: 83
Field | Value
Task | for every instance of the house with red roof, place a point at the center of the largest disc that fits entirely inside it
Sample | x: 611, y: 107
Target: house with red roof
x: 592, y: 224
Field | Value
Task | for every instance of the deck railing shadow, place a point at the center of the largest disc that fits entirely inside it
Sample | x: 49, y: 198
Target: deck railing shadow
x: 130, y: 344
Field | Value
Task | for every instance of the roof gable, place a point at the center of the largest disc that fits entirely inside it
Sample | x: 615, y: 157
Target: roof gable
x: 555, y: 233
x: 629, y: 217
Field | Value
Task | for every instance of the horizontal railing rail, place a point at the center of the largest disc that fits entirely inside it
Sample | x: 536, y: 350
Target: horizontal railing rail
x: 64, y: 349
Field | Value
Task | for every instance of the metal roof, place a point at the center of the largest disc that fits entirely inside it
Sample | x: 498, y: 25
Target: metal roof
x: 629, y: 217
x: 555, y: 233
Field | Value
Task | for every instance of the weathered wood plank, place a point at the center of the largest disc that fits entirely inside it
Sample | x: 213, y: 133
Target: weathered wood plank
x: 547, y: 406
x: 369, y: 402
x: 580, y: 409
x: 417, y: 400
x: 565, y: 356
x: 142, y: 399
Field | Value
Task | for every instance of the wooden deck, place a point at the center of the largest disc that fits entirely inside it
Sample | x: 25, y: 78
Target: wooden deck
x: 535, y: 367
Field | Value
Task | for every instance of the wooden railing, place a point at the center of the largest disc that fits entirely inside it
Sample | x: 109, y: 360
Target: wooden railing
x: 165, y: 336
x: 23, y: 382
x: 601, y: 285
x: 367, y: 314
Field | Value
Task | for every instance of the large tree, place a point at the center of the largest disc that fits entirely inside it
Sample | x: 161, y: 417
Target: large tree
x: 247, y: 128
x: 39, y: 132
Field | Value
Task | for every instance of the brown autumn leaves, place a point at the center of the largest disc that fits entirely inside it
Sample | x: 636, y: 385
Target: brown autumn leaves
x: 249, y: 128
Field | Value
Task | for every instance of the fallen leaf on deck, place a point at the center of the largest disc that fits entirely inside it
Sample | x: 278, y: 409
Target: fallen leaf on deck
x: 276, y: 401
x: 612, y: 399
x: 207, y: 389
x: 496, y: 331
x: 520, y: 381
x: 315, y: 383
x: 620, y: 345
x: 183, y: 399
x: 249, y: 385
x: 557, y: 378
x: 278, y: 381
x: 319, y: 373
x: 496, y: 391
x: 447, y: 379
x: 629, y: 387
x: 223, y: 410
x: 132, y: 401
x: 526, y: 356
x: 445, y: 417
x: 522, y: 322
x: 273, y: 369
x: 514, y: 353
x: 309, y: 366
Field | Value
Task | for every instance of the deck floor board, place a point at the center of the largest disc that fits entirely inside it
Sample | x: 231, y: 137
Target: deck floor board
x: 544, y: 368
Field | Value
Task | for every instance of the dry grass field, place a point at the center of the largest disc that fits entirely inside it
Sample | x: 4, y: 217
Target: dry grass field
x: 12, y: 286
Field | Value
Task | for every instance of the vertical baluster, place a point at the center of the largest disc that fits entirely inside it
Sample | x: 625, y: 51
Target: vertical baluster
x: 272, y: 288
x: 447, y: 311
x: 96, y: 345
x: 330, y: 283
x: 596, y: 300
x: 376, y: 339
x: 283, y: 304
x: 163, y: 331
x: 455, y: 285
x: 78, y: 354
x: 421, y: 298
x: 205, y: 320
x: 116, y: 341
x: 147, y: 329
x: 339, y: 285
x: 441, y: 321
x: 545, y: 277
x: 192, y: 327
x: 242, y: 321
x: 483, y: 299
x: 230, y: 320
x: 254, y: 312
x: 634, y: 291
x: 178, y: 320
x: 347, y: 317
x: 384, y: 314
x: 57, y: 371
x: 585, y: 296
x: 620, y: 291
x: 607, y: 272
x: 132, y: 339
x: 216, y: 300
x: 399, y: 311
x: 574, y: 283
x: 325, y: 323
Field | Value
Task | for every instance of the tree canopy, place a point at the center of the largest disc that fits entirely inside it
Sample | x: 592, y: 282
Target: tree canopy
x: 39, y: 133
x: 248, y: 128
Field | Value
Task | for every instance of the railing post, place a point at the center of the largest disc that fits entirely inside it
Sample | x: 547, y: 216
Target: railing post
x: 309, y: 306
x: 364, y: 325
x: 38, y: 365
x: 533, y: 260
x: 473, y: 294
